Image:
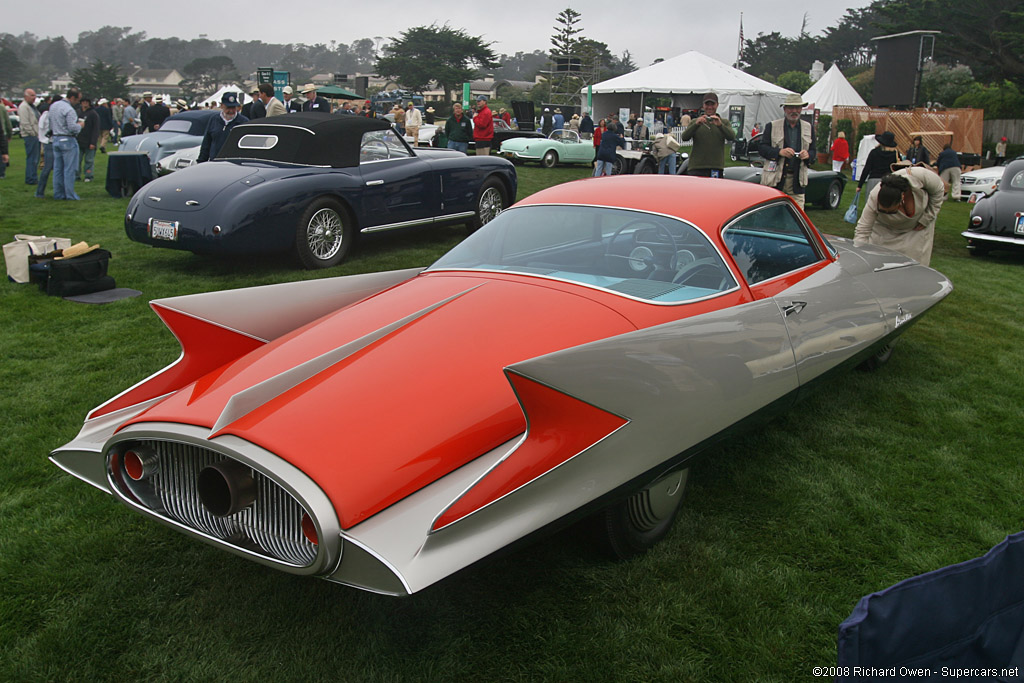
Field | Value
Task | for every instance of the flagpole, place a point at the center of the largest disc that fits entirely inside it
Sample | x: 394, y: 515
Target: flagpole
x: 739, y: 46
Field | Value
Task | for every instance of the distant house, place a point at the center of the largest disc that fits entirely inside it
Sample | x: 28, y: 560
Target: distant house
x: 487, y: 86
x: 164, y: 81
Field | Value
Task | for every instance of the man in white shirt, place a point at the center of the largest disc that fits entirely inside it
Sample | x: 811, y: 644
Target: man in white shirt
x: 29, y: 116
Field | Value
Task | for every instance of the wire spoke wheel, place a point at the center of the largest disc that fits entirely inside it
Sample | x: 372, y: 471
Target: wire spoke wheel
x: 324, y: 234
x: 489, y: 204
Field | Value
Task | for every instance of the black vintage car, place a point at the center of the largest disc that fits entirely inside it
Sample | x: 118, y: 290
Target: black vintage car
x: 310, y: 183
x: 997, y: 221
x: 824, y: 188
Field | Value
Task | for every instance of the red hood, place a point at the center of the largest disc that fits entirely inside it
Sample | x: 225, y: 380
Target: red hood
x: 407, y: 409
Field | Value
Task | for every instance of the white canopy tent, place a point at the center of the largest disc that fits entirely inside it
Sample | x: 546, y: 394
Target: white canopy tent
x: 686, y: 78
x: 833, y: 90
x: 215, y: 97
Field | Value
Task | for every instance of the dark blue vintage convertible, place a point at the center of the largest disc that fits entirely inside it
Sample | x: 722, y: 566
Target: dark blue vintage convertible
x: 310, y: 183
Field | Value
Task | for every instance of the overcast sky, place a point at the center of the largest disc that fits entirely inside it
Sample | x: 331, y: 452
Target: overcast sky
x: 512, y: 25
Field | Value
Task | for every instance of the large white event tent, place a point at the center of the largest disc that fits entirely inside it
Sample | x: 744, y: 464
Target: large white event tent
x: 686, y: 78
x: 214, y: 99
x: 833, y: 90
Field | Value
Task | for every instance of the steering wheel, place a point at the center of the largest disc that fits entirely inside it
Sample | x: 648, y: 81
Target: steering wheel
x: 705, y: 266
x: 642, y: 258
x: 374, y: 150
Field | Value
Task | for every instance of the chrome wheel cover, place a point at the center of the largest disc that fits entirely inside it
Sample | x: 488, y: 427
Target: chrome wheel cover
x: 324, y: 234
x: 656, y: 503
x: 835, y: 195
x: 490, y: 205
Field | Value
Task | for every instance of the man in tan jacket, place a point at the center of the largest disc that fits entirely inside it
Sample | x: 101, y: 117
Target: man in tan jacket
x: 274, y: 106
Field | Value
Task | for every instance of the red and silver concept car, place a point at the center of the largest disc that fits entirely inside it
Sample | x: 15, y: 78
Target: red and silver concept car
x: 569, y: 359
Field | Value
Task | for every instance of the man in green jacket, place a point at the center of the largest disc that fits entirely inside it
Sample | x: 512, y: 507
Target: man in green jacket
x: 709, y: 134
x: 458, y: 129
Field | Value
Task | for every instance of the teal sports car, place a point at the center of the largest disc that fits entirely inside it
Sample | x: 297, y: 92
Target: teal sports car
x: 561, y: 147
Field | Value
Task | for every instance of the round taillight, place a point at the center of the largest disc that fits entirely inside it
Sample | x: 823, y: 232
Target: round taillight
x: 975, y: 220
x: 133, y: 466
x: 309, y: 529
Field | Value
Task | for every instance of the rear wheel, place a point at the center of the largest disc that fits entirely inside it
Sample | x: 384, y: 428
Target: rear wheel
x: 647, y: 165
x: 324, y: 235
x: 879, y: 359
x: 633, y: 526
x: 834, y: 195
x: 490, y: 202
x: 549, y: 159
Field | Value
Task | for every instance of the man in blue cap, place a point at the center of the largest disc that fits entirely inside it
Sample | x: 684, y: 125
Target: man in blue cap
x: 219, y: 126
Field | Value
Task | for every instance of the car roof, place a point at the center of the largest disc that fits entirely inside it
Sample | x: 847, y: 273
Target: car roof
x: 704, y: 202
x: 309, y: 138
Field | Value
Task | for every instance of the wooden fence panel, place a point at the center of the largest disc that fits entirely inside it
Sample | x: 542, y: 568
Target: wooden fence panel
x: 966, y: 125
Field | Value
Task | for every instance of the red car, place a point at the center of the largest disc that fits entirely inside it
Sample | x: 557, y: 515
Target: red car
x: 569, y: 359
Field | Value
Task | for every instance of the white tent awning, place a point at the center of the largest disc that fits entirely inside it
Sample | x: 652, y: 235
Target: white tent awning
x: 833, y: 90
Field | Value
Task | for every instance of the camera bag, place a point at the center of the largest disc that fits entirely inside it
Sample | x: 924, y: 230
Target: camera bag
x: 79, y: 275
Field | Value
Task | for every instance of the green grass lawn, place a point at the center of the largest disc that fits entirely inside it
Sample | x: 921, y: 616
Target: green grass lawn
x: 877, y: 478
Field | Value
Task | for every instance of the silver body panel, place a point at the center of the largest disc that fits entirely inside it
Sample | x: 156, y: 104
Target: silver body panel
x: 679, y: 386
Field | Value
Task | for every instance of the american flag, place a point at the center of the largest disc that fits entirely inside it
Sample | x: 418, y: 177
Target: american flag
x: 739, y: 47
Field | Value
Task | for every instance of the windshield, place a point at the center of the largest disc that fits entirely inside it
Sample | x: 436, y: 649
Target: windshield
x: 631, y: 253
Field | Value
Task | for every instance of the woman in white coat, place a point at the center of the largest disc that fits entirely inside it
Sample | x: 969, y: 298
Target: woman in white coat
x: 901, y: 213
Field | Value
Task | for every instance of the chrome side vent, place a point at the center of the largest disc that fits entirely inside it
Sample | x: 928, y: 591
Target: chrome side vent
x: 164, y: 477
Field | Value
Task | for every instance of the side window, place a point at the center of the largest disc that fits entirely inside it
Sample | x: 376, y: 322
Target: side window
x: 380, y: 145
x: 769, y: 242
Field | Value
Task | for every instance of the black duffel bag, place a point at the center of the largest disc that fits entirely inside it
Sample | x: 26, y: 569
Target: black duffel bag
x: 80, y: 275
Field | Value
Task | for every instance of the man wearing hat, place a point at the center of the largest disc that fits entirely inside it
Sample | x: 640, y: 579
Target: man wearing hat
x: 147, y: 102
x: 106, y: 122
x: 787, y: 147
x: 314, y: 102
x: 429, y: 116
x: 254, y: 109
x: 557, y: 121
x: 1000, y: 151
x: 546, y: 123
x: 709, y: 134
x: 399, y: 115
x: 219, y: 126
x: 291, y: 105
x: 158, y: 113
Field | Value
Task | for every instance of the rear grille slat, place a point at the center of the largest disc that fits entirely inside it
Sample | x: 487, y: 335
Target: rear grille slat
x: 271, y: 526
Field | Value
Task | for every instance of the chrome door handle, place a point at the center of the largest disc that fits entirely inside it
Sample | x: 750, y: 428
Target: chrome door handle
x: 794, y: 307
x: 374, y: 182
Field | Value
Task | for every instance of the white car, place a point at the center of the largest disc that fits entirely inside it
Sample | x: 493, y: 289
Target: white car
x: 984, y: 181
x: 183, y: 158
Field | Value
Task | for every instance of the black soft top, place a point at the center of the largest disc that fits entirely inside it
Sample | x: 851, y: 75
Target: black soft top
x: 310, y: 138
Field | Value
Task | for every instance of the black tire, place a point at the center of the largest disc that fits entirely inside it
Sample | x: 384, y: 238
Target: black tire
x: 879, y: 359
x: 324, y: 235
x: 633, y: 526
x: 620, y: 166
x: 834, y: 196
x: 491, y: 201
x: 549, y: 159
x: 646, y: 166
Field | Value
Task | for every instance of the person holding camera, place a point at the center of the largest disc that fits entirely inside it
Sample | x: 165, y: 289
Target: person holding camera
x: 709, y: 134
x: 787, y: 147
